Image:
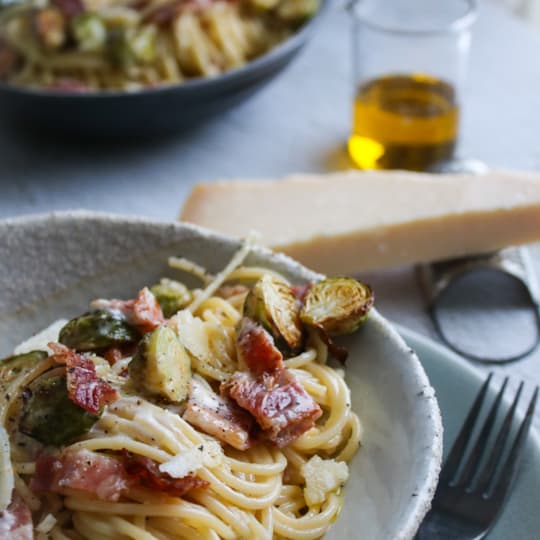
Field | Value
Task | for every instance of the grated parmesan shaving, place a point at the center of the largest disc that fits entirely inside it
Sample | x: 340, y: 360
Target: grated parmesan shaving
x: 7, y: 480
x: 46, y: 525
x: 220, y: 278
x: 208, y: 454
x: 40, y: 341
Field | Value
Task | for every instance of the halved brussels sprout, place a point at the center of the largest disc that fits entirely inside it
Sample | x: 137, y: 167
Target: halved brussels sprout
x: 272, y: 303
x: 337, y: 305
x: 51, y: 417
x: 89, y: 31
x: 143, y: 43
x: 97, y: 330
x: 161, y: 365
x: 171, y: 295
x: 10, y: 367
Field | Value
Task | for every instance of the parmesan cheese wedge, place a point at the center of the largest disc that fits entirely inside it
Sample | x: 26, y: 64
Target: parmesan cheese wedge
x: 353, y: 221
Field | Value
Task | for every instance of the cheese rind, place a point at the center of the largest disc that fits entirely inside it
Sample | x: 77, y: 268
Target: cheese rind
x: 347, y: 222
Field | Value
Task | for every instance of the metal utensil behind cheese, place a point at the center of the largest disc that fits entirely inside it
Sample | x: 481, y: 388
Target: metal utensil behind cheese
x: 353, y: 221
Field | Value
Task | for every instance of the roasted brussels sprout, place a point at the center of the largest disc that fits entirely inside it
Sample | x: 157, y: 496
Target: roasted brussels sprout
x: 97, y: 330
x: 128, y: 47
x: 51, y: 417
x: 272, y: 303
x: 10, y: 367
x: 161, y: 366
x: 143, y: 44
x: 89, y: 31
x: 337, y: 305
x: 171, y: 295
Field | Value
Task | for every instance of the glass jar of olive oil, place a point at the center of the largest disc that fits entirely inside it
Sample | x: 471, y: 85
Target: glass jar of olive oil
x: 410, y: 60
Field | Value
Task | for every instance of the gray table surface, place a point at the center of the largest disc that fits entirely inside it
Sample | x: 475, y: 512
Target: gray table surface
x: 299, y: 123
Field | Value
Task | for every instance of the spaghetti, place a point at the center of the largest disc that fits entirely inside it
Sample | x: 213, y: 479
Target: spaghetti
x: 152, y: 468
x: 90, y: 45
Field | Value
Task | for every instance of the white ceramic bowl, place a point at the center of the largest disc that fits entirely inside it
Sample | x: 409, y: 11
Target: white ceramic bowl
x: 51, y: 266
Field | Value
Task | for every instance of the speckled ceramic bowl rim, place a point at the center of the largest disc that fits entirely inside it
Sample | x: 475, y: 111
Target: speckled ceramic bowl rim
x: 420, y: 504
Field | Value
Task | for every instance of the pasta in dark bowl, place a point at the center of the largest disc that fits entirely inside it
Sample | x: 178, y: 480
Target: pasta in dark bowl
x: 115, y: 67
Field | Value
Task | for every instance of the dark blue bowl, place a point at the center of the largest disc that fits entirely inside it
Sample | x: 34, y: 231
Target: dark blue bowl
x: 150, y: 111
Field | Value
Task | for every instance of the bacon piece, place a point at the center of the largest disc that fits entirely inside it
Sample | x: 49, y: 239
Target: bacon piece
x: 8, y: 59
x: 279, y: 403
x: 165, y: 13
x: 147, y: 473
x: 68, y: 84
x: 85, y: 388
x: 147, y: 312
x: 50, y: 26
x: 255, y: 348
x: 115, y: 354
x: 70, y: 8
x: 300, y: 291
x: 144, y: 312
x: 228, y: 291
x: 217, y: 416
x: 101, y: 475
x: 16, y: 520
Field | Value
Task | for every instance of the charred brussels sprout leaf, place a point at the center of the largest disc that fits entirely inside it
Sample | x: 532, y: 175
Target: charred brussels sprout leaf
x: 161, y: 366
x: 272, y: 303
x: 337, y: 305
x: 171, y: 295
x: 51, y: 417
x: 97, y: 330
x: 10, y: 367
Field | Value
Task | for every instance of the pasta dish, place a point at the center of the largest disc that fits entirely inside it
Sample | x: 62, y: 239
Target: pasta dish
x: 89, y: 45
x: 206, y: 413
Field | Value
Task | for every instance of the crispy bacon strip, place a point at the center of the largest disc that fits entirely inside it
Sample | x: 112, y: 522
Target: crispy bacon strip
x: 70, y: 8
x: 103, y: 476
x: 217, y: 416
x: 8, y: 59
x: 85, y: 388
x: 278, y: 402
x: 16, y: 521
x: 147, y: 473
x: 255, y: 348
x: 144, y: 312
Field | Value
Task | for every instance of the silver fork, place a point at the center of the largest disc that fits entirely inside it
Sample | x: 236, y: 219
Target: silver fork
x: 472, y: 490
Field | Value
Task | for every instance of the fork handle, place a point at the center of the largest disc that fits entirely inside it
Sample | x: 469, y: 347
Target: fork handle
x: 437, y: 527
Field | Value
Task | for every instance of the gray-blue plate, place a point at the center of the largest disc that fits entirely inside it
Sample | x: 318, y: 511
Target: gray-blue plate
x: 456, y: 383
x: 150, y: 111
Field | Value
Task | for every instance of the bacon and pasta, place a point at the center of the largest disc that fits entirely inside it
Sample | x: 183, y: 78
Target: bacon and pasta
x: 212, y: 419
x: 91, y: 45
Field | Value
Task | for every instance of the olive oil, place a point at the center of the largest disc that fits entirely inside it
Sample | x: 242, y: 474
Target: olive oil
x: 404, y: 122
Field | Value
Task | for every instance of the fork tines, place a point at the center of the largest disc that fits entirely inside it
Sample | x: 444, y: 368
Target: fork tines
x: 485, y: 471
